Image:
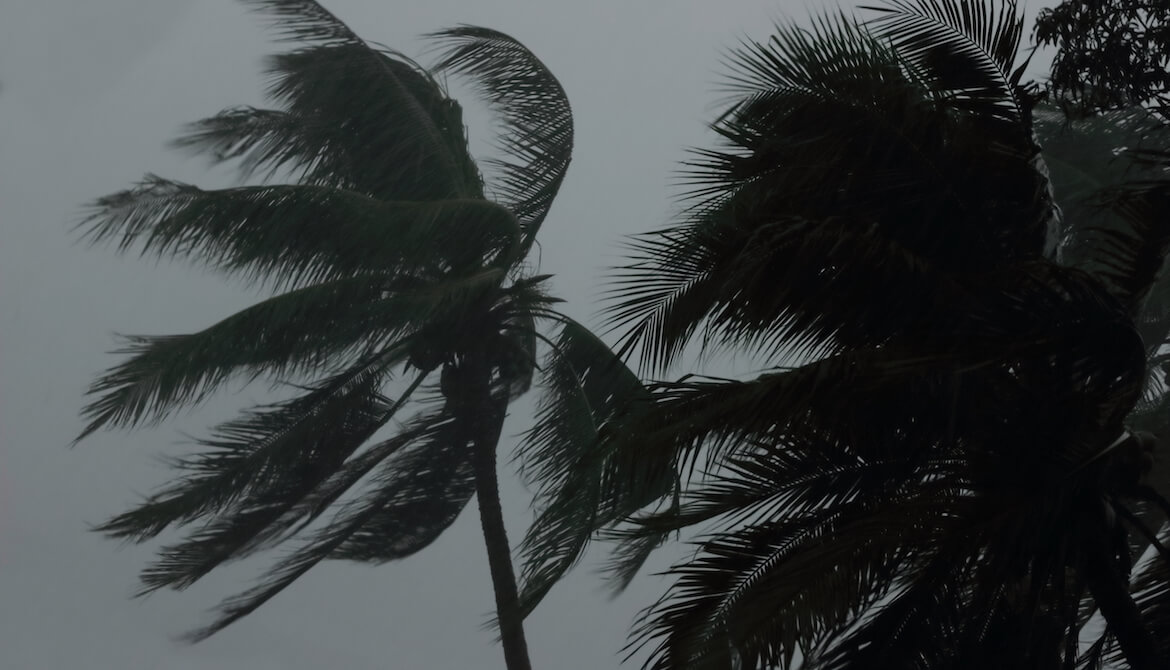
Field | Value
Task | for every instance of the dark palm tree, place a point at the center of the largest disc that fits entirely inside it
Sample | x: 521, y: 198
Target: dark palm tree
x: 943, y: 469
x: 405, y: 317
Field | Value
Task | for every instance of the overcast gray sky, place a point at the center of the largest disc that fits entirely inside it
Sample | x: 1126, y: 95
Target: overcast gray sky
x: 90, y: 91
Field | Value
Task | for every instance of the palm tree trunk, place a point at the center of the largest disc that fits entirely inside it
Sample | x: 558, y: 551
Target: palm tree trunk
x: 1111, y: 591
x: 511, y: 620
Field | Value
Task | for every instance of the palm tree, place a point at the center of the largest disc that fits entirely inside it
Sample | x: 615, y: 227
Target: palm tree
x: 404, y: 316
x: 940, y: 468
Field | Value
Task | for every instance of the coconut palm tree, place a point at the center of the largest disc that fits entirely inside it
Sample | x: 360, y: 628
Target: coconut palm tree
x: 405, y: 316
x: 940, y: 467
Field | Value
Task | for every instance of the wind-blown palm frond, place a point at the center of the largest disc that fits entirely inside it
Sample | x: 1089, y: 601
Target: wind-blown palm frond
x: 536, y: 119
x: 303, y: 21
x: 811, y: 106
x: 293, y: 235
x: 256, y: 451
x: 412, y: 499
x: 315, y: 328
x: 589, y: 391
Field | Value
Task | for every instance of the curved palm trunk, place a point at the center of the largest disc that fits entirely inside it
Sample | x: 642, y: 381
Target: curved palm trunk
x: 488, y: 424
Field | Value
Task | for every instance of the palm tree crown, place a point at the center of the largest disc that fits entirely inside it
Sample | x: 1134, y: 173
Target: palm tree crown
x: 939, y: 472
x: 402, y: 302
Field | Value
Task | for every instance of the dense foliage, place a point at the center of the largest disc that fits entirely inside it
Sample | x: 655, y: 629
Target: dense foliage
x: 943, y: 469
x: 1111, y: 54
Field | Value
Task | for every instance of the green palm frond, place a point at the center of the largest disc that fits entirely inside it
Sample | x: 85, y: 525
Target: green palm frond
x: 410, y: 500
x: 269, y: 140
x: 255, y: 452
x: 298, y: 234
x: 587, y: 392
x: 408, y: 141
x: 536, y: 119
x: 295, y: 332
x: 351, y: 115
x: 312, y: 329
x: 260, y: 514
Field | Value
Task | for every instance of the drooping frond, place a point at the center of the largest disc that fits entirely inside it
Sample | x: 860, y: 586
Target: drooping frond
x: 397, y: 136
x: 314, y: 449
x: 261, y: 451
x: 760, y: 593
x: 409, y: 501
x: 587, y: 393
x: 536, y: 119
x: 294, y: 235
x: 967, y: 48
x: 434, y: 483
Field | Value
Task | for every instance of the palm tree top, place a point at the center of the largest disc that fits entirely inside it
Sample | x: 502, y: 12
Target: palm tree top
x: 402, y: 315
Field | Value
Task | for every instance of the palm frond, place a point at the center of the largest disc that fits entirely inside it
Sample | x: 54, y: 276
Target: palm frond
x: 294, y: 235
x: 312, y: 453
x: 587, y: 391
x: 271, y: 139
x: 313, y: 329
x: 303, y: 21
x: 537, y: 121
x: 761, y: 593
x: 966, y: 47
x: 257, y: 451
x: 403, y: 138
x: 432, y: 486
x: 392, y: 503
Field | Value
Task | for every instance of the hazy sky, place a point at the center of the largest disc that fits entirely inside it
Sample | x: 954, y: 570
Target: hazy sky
x: 90, y: 91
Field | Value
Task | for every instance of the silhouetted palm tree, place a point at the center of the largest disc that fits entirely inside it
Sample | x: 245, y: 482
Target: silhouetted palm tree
x: 403, y: 301
x: 938, y: 473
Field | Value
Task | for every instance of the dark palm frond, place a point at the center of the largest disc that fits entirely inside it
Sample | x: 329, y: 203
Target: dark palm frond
x: 760, y: 593
x: 395, y: 492
x: 835, y: 147
x: 536, y: 119
x: 299, y: 331
x: 434, y: 484
x: 268, y: 140
x: 260, y: 516
x: 786, y: 282
x: 351, y: 115
x: 311, y: 329
x: 966, y: 48
x: 587, y: 392
x: 406, y: 139
x: 300, y: 234
x: 303, y: 21
x: 254, y: 452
